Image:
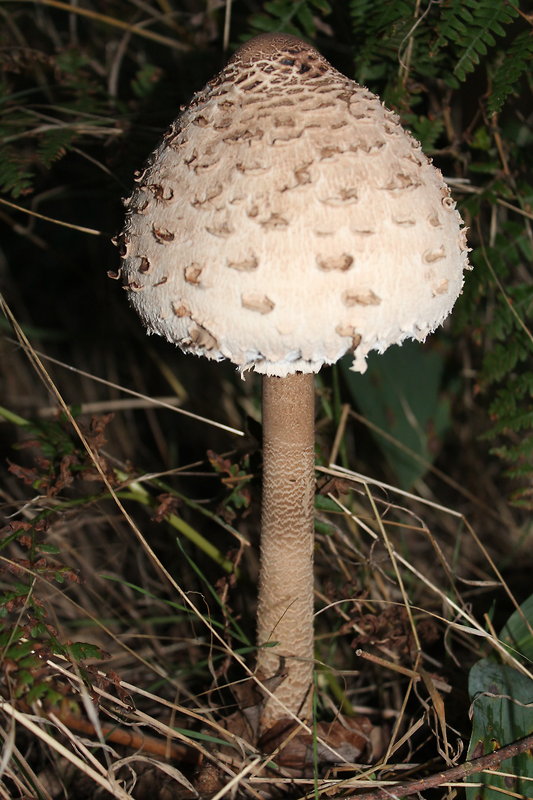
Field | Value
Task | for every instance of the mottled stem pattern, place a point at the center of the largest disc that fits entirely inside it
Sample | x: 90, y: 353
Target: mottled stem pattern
x: 285, y: 604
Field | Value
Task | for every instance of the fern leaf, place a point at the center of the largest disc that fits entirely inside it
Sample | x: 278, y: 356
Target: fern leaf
x: 379, y: 29
x: 520, y: 454
x: 472, y: 26
x: 290, y: 16
x: 15, y: 178
x: 504, y: 357
x: 360, y: 12
x: 519, y: 388
x: 53, y: 145
x: 516, y: 61
x: 305, y: 19
x: 520, y: 422
x: 425, y: 129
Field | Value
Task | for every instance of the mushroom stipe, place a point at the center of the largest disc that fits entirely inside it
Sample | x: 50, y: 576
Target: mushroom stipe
x: 286, y: 219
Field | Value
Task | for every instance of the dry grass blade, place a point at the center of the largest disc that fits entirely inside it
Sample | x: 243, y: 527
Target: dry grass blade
x: 33, y: 355
x: 105, y: 406
x: 429, y: 467
x: 137, y: 29
x: 60, y: 222
x: 154, y: 401
x: 9, y: 746
x: 172, y: 772
x: 95, y: 775
x: 36, y: 360
x: 473, y: 626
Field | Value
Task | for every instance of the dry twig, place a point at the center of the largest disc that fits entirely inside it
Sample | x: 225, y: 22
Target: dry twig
x: 480, y: 764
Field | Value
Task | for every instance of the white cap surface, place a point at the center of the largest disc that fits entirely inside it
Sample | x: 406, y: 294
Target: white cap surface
x: 287, y: 218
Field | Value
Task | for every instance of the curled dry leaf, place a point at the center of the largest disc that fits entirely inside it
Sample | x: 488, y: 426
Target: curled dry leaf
x: 345, y: 740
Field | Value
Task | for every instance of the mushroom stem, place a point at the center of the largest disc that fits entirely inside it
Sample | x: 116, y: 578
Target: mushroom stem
x: 285, y: 603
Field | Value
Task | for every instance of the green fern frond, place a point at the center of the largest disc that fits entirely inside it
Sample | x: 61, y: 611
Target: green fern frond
x: 447, y: 41
x: 53, y: 145
x: 507, y: 370
x: 425, y: 129
x: 523, y: 499
x: 501, y: 307
x: 519, y: 422
x: 361, y: 12
x: 471, y: 27
x: 511, y: 342
x: 508, y: 402
x: 513, y: 66
x: 379, y: 30
x: 519, y: 454
x: 145, y: 80
x: 38, y: 126
x: 16, y: 178
x: 504, y: 357
x: 290, y: 16
x: 372, y: 19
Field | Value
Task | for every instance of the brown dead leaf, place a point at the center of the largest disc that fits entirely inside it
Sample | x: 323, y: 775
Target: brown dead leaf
x: 345, y: 740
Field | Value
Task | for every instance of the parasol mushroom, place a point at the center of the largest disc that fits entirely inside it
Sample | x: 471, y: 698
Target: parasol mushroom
x: 285, y: 219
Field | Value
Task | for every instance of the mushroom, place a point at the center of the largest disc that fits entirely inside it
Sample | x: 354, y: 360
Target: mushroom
x: 285, y: 219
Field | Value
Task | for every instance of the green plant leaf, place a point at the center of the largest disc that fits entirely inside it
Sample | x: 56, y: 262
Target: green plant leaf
x: 401, y: 395
x: 518, y: 631
x: 81, y: 650
x: 502, y: 712
x: 19, y: 650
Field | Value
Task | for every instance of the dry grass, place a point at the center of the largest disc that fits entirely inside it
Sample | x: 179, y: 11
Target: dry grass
x: 405, y: 594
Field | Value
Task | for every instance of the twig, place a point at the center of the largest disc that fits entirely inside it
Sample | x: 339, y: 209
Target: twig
x: 176, y: 752
x: 488, y: 761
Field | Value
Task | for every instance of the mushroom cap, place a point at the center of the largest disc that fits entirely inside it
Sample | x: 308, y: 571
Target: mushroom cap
x: 287, y: 218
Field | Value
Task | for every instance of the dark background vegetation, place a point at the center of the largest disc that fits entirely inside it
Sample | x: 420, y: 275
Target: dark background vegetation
x: 85, y: 93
